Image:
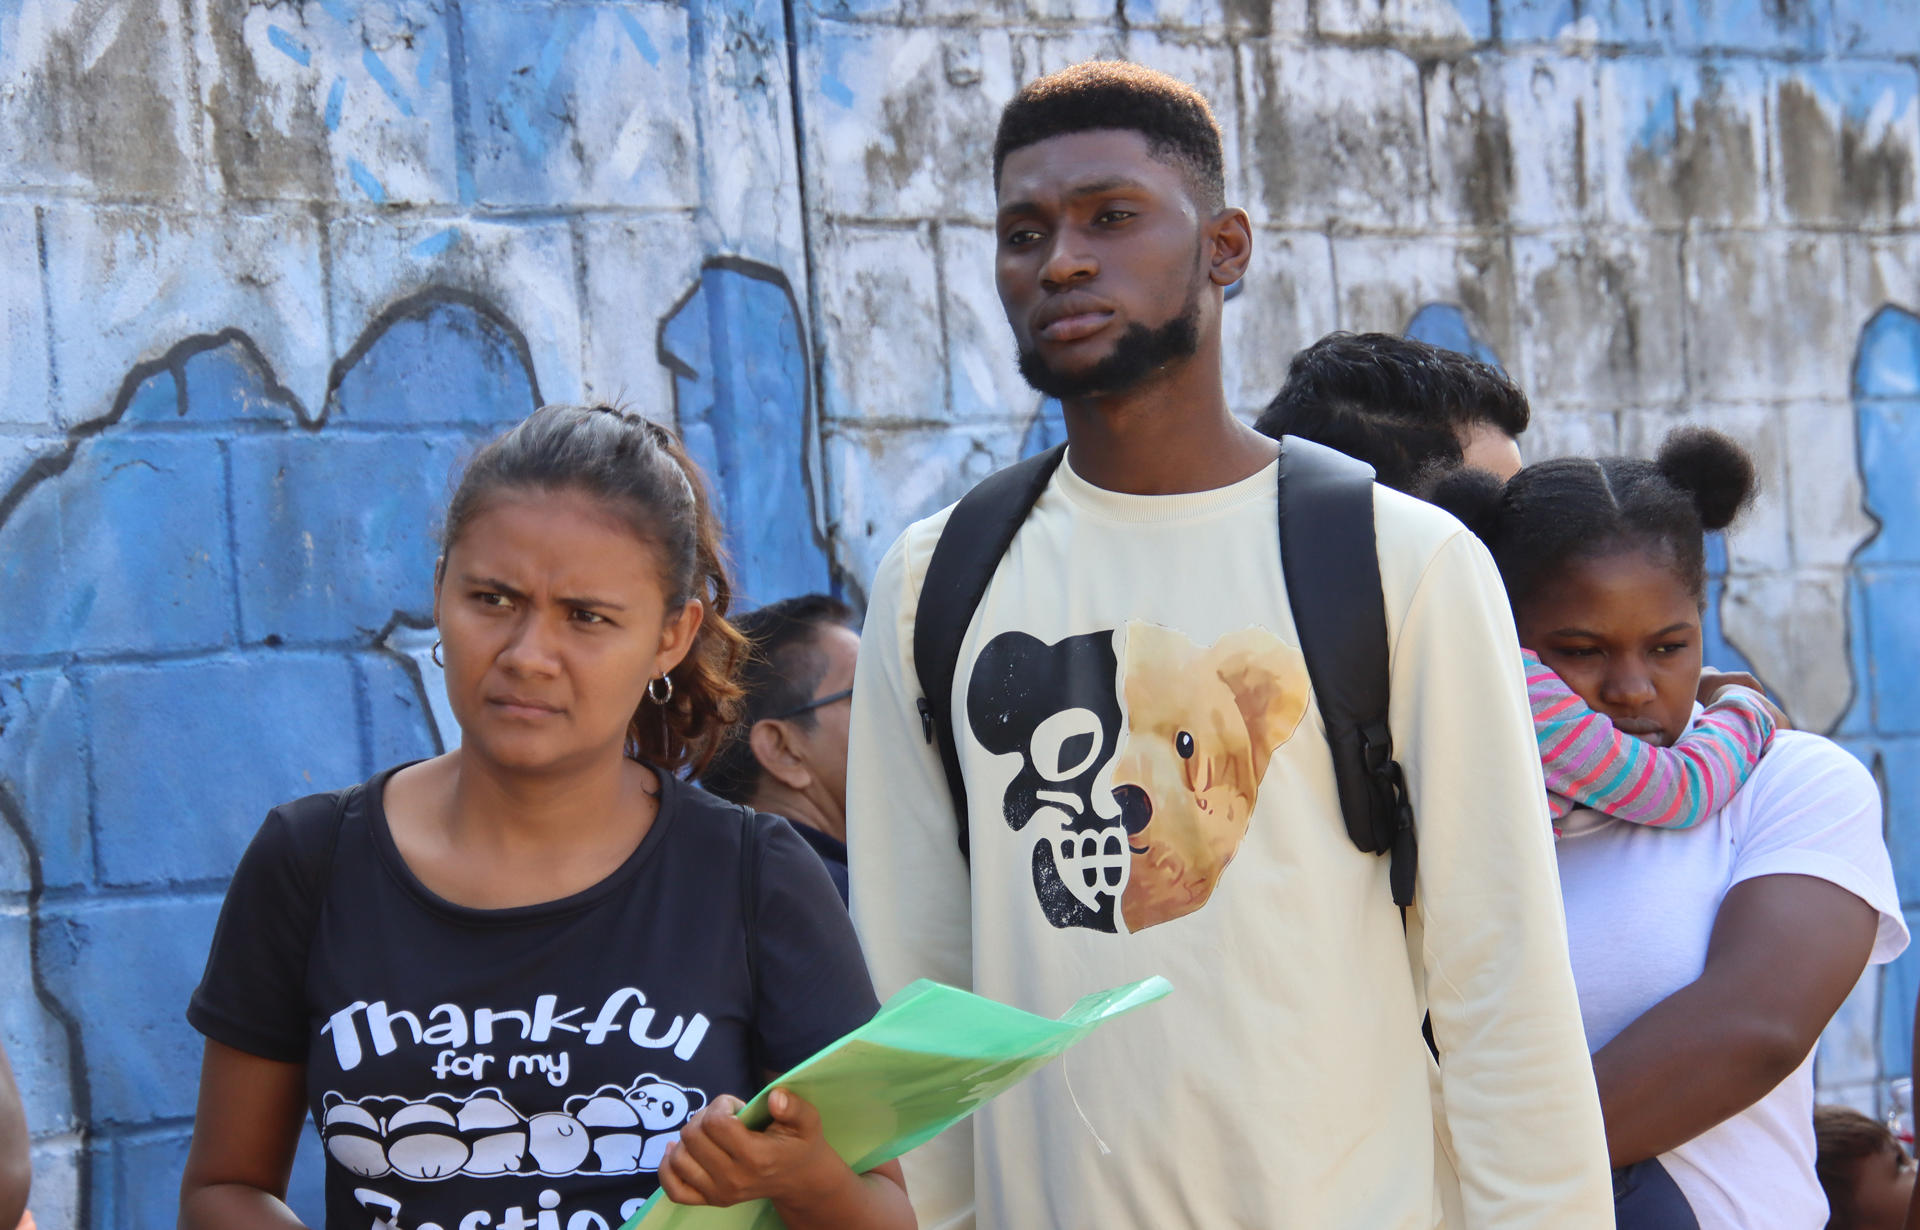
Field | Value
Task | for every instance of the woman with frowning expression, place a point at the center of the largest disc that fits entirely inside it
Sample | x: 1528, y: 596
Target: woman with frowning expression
x: 530, y: 979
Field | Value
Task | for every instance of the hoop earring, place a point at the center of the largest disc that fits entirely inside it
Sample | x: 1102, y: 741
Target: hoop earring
x: 434, y: 653
x: 654, y: 696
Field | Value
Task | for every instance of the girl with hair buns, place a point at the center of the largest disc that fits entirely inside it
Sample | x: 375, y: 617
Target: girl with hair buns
x: 1709, y: 958
x: 524, y: 983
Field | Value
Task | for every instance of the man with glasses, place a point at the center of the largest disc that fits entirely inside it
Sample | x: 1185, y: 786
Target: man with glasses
x: 788, y: 754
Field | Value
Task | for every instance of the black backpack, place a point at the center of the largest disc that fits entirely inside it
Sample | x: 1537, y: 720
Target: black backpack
x: 1332, y: 570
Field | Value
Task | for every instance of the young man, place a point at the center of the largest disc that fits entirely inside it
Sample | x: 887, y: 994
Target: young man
x: 1401, y: 406
x: 1151, y: 791
x: 788, y: 753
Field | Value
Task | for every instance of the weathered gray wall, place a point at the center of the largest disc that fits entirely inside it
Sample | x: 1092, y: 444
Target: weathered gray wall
x: 266, y: 269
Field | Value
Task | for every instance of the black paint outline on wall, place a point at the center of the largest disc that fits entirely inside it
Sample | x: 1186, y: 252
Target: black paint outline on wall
x: 417, y: 306
x: 1859, y: 460
x: 813, y: 456
x: 40, y: 470
x: 173, y: 361
x: 814, y: 334
x: 1857, y: 690
x: 383, y: 643
x: 79, y: 1090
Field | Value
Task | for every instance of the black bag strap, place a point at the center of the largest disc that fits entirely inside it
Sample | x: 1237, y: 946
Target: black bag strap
x: 1331, y: 562
x: 316, y: 857
x: 1330, y: 558
x: 749, y: 915
x: 978, y: 532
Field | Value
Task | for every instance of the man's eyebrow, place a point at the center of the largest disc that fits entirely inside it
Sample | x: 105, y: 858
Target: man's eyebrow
x: 1112, y: 183
x: 1094, y: 187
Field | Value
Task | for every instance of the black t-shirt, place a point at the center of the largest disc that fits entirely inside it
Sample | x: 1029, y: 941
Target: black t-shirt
x: 832, y: 852
x: 487, y: 1067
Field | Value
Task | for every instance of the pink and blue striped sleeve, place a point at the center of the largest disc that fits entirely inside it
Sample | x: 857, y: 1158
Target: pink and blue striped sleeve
x: 1590, y: 763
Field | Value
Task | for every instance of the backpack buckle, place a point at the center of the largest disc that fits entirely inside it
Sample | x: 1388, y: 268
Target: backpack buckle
x: 1405, y: 854
x: 1376, y: 749
x: 926, y: 720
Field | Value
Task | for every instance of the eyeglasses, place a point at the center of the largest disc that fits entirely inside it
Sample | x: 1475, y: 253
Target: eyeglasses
x: 816, y: 703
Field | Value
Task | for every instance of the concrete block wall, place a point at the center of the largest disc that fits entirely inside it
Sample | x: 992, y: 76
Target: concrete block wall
x: 268, y: 274
x: 268, y: 271
x: 1652, y: 213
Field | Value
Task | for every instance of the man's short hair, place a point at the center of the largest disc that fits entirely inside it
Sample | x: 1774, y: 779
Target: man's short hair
x: 1844, y: 1139
x: 782, y: 671
x: 1393, y: 402
x: 1107, y: 94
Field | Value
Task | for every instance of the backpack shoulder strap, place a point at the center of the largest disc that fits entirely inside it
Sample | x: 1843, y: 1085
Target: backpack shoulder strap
x: 315, y: 823
x: 977, y: 533
x: 750, y: 917
x: 1331, y: 562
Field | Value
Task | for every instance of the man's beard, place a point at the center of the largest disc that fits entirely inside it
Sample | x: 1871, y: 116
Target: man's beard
x: 1137, y: 354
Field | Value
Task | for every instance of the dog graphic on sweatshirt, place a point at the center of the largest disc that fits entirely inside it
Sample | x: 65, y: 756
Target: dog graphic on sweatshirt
x: 1202, y: 723
x: 1139, y: 769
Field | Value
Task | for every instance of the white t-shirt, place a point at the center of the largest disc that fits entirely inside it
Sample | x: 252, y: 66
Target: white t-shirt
x: 1640, y: 907
x: 1150, y: 791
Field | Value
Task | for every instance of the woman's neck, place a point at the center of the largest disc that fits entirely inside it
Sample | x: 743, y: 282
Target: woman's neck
x: 493, y: 804
x: 487, y: 836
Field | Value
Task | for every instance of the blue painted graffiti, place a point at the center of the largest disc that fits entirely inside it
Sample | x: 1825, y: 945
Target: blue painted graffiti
x: 188, y: 627
x: 739, y: 363
x: 207, y: 605
x: 1882, y: 724
x: 1720, y: 653
x: 1446, y: 325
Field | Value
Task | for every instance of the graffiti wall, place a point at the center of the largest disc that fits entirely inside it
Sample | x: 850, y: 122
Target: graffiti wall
x: 269, y: 270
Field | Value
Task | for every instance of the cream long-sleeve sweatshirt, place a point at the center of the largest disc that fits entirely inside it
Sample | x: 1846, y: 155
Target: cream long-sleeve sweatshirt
x: 1151, y: 792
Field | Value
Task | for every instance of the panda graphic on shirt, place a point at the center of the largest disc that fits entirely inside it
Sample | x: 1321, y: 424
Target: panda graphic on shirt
x: 610, y: 1131
x: 521, y: 1127
x: 1141, y: 757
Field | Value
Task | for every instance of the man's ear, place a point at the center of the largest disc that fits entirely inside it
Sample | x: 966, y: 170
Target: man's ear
x: 1269, y: 684
x: 1229, y: 246
x: 777, y: 756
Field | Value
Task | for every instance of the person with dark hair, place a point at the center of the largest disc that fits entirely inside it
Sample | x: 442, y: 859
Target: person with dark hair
x: 1866, y: 1174
x: 1145, y: 791
x: 531, y: 979
x: 1709, y: 959
x: 1400, y: 405
x: 787, y: 753
x: 1410, y: 410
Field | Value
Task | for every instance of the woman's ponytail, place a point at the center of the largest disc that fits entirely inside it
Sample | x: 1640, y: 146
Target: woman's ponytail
x: 706, y: 692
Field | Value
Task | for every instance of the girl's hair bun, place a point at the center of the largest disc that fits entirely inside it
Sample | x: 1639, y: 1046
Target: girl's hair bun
x: 1713, y: 470
x: 1473, y: 495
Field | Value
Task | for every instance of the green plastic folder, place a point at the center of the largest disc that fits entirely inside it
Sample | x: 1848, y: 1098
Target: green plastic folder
x: 929, y: 1058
